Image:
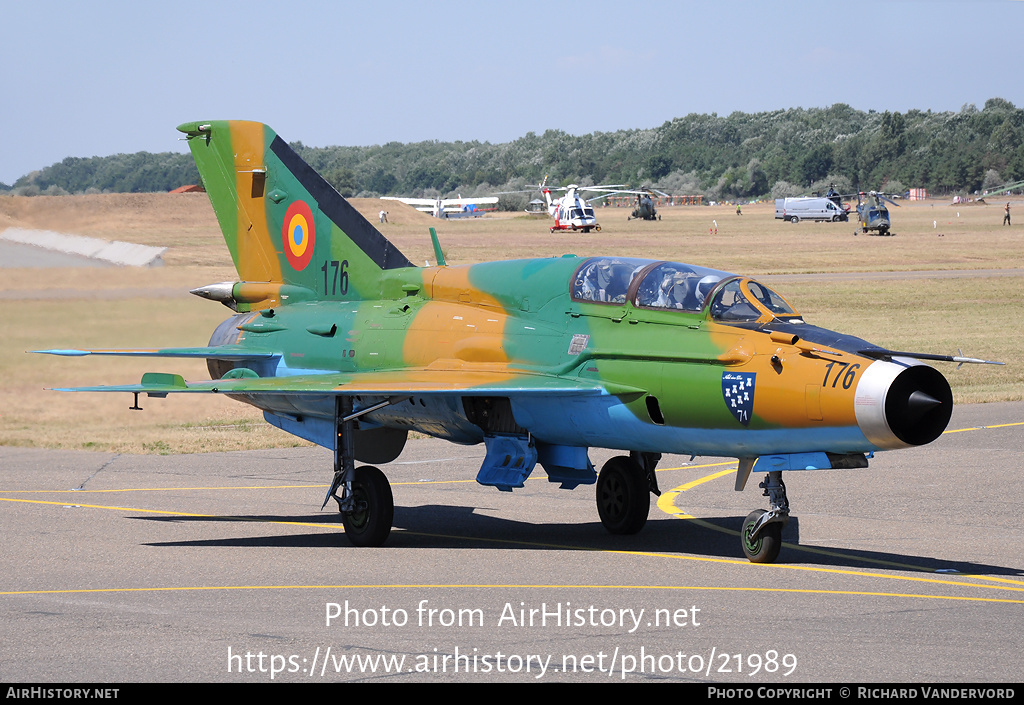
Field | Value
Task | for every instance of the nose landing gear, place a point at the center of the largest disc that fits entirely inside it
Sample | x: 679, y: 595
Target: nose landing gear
x: 761, y: 535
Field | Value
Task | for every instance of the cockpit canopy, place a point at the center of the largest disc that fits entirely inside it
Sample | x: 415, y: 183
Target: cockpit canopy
x: 742, y: 299
x: 676, y: 286
x: 649, y: 284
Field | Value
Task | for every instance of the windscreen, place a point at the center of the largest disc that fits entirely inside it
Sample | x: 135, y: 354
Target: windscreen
x: 606, y: 279
x: 677, y: 286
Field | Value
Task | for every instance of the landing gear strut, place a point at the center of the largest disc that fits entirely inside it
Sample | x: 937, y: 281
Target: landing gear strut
x: 761, y: 535
x: 366, y: 504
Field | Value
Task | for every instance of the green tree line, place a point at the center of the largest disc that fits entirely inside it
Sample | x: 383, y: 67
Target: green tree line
x: 743, y: 155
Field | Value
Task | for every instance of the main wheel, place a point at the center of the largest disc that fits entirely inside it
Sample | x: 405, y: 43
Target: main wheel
x: 623, y: 496
x: 765, y: 548
x: 369, y: 524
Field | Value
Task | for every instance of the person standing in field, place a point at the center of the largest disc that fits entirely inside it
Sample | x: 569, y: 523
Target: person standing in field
x: 1006, y: 216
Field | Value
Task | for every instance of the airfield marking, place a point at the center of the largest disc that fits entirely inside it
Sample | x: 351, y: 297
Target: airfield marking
x: 444, y: 482
x: 293, y: 487
x: 983, y: 428
x: 169, y: 513
x: 665, y: 504
x: 165, y: 489
x: 297, y: 487
x: 384, y: 586
x: 599, y: 550
x: 669, y: 497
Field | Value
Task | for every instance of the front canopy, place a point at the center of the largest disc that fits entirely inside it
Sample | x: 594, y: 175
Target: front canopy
x: 652, y: 284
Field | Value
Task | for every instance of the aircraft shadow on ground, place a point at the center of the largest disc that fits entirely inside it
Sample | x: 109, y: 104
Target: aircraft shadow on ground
x: 445, y: 526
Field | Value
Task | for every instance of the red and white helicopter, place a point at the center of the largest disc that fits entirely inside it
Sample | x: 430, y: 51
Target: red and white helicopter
x: 573, y: 212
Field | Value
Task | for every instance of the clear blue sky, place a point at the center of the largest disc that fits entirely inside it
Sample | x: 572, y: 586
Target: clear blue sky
x: 102, y: 76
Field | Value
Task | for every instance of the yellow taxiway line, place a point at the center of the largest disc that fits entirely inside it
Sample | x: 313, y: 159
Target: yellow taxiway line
x: 448, y: 586
x: 666, y: 503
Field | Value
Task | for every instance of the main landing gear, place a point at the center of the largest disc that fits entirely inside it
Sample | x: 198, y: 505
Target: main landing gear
x: 366, y: 504
x: 368, y: 521
x: 761, y: 535
x: 624, y: 490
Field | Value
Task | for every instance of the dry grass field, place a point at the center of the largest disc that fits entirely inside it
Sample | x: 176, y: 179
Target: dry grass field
x: 124, y: 307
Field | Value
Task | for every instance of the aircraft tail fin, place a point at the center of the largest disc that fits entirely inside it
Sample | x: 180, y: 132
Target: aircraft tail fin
x: 546, y: 191
x: 283, y: 223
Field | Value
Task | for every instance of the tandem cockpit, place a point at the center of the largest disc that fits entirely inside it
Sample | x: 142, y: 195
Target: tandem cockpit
x: 672, y: 286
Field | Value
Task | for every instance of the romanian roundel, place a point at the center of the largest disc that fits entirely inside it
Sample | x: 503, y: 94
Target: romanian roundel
x: 299, y: 235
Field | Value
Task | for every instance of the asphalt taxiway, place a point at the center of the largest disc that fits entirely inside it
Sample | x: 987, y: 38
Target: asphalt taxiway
x: 220, y: 567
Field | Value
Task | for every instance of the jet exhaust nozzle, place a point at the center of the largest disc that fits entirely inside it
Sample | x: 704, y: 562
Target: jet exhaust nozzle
x: 918, y: 405
x: 899, y: 406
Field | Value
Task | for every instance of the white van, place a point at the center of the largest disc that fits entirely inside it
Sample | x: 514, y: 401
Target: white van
x: 796, y: 209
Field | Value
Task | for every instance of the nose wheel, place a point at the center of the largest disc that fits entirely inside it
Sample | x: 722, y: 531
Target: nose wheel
x: 761, y: 535
x: 764, y: 546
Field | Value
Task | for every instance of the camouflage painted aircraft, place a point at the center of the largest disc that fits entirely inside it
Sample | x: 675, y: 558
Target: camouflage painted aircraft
x: 342, y: 341
x: 645, y: 208
x: 872, y: 213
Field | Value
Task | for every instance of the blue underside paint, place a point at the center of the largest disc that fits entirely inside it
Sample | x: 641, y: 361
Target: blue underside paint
x: 313, y: 429
x: 605, y: 422
x: 568, y: 465
x: 562, y: 429
x: 509, y: 461
x: 792, y: 461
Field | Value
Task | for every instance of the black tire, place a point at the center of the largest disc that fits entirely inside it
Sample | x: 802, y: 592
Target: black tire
x: 623, y: 496
x: 370, y: 523
x: 835, y: 219
x: 764, y: 549
x: 794, y: 219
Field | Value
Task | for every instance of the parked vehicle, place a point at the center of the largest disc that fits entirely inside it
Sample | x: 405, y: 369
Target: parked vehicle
x: 811, y: 208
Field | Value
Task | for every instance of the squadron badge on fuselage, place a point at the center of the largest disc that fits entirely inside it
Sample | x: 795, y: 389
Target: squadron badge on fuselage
x: 738, y: 393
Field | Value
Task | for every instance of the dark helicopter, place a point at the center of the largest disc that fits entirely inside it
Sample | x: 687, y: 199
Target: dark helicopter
x: 871, y: 210
x: 872, y: 213
x: 645, y: 209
